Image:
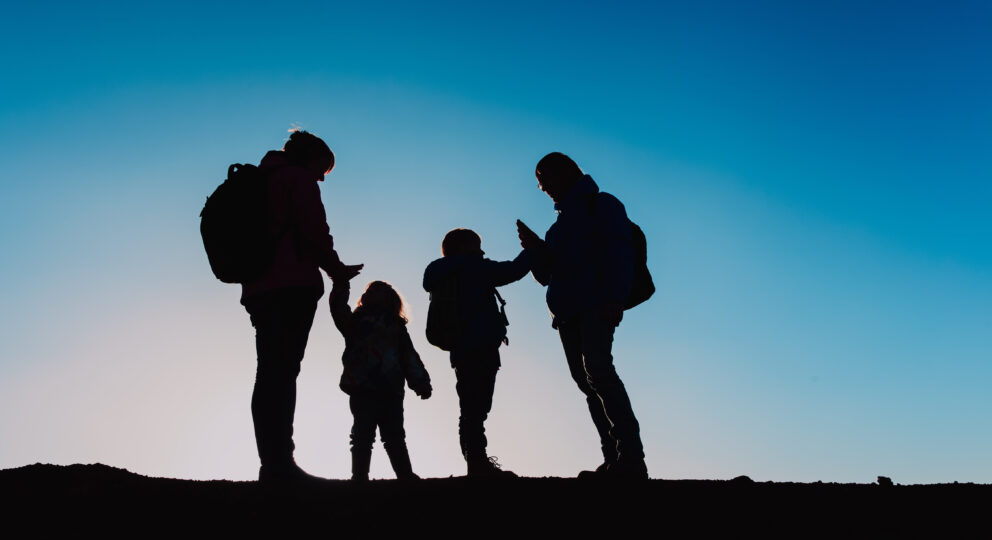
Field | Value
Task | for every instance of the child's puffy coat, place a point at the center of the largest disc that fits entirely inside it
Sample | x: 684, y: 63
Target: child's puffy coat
x: 379, y: 354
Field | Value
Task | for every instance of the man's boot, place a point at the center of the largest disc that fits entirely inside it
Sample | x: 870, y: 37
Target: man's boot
x: 609, y: 460
x: 628, y: 469
x: 599, y: 472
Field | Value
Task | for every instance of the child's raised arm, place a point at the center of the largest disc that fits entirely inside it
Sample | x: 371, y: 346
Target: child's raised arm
x: 340, y: 311
x: 500, y: 273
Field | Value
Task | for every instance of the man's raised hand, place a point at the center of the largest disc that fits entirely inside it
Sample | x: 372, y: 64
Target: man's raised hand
x: 528, y: 238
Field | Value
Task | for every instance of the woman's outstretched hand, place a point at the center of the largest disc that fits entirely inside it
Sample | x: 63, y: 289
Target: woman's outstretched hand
x: 346, y: 272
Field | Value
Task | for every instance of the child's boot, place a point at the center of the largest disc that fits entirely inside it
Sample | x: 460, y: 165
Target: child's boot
x: 399, y: 458
x: 360, y: 460
x: 483, y: 466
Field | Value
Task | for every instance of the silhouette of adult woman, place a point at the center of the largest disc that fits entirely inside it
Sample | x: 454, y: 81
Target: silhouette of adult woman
x: 282, y: 302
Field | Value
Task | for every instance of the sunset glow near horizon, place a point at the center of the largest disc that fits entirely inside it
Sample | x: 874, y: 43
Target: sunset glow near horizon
x: 813, y: 182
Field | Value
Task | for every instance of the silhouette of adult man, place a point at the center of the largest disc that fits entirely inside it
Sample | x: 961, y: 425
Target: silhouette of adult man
x: 282, y: 302
x: 587, y: 262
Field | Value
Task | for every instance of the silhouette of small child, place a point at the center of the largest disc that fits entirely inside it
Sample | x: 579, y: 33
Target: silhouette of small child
x: 378, y: 359
x: 475, y: 355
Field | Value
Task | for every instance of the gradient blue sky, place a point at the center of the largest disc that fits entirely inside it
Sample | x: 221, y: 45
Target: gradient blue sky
x: 813, y: 180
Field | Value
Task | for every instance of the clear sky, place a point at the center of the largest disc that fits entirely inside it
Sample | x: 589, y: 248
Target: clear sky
x: 813, y: 180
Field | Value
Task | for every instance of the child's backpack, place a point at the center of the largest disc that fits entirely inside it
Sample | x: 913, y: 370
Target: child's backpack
x: 444, y: 321
x: 235, y: 226
x: 643, y: 286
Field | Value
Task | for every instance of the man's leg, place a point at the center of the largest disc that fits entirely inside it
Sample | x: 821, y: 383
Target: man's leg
x: 597, y: 344
x: 571, y: 340
x: 282, y: 326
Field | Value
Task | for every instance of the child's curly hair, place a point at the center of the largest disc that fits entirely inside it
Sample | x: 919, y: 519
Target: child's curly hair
x: 393, y: 305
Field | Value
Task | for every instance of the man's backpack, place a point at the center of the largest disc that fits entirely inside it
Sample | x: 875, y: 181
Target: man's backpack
x: 643, y: 285
x: 235, y: 226
x: 444, y: 318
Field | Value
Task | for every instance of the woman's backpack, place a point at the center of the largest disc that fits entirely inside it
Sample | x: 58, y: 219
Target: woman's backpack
x: 235, y: 224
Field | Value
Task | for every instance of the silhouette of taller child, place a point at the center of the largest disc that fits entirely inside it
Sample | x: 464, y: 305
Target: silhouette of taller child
x: 475, y: 356
x: 282, y: 302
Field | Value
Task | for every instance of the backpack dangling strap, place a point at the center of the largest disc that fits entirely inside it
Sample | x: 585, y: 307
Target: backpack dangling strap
x: 502, y: 303
x: 502, y: 314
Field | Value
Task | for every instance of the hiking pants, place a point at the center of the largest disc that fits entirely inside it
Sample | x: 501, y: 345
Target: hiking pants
x: 475, y: 375
x: 282, y: 321
x: 588, y: 342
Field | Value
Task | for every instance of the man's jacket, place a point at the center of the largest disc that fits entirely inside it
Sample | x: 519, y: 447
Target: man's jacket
x: 589, y: 255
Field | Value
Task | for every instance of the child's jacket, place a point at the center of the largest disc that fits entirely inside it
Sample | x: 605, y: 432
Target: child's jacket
x: 479, y: 277
x: 378, y: 354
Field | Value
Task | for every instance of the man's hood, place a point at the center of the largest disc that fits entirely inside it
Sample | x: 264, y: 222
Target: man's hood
x: 583, y: 187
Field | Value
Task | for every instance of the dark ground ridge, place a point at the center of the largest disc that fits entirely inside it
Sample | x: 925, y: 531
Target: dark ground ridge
x: 54, y: 499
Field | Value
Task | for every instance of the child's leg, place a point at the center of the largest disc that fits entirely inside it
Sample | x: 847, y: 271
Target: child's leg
x: 475, y: 372
x: 362, y: 435
x: 394, y: 437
